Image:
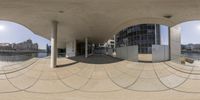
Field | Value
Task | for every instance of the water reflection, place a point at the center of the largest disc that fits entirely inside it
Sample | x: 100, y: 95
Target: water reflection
x: 195, y: 56
x: 20, y: 56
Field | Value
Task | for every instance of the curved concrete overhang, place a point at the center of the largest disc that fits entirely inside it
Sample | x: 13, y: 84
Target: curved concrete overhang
x: 96, y: 19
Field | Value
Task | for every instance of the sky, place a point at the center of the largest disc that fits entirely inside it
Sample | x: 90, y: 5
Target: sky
x: 14, y: 33
x: 11, y: 32
x: 164, y: 34
x: 190, y: 32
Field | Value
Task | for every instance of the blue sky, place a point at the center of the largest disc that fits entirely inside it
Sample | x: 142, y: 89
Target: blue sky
x: 14, y: 33
x: 190, y: 32
x: 164, y: 35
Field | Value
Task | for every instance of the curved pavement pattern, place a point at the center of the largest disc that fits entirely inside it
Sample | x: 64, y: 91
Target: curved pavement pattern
x: 117, y: 80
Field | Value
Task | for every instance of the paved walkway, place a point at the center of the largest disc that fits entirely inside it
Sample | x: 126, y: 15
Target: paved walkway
x: 98, y: 78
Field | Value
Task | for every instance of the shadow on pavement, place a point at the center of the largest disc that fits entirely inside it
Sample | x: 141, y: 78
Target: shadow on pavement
x: 96, y: 59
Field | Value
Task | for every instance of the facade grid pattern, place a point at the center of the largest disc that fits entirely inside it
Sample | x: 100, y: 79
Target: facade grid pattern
x: 143, y: 35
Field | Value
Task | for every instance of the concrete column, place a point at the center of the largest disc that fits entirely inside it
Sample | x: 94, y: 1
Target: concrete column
x: 169, y: 42
x: 74, y: 47
x: 67, y: 49
x: 175, y: 42
x: 86, y: 47
x: 156, y: 35
x: 54, y: 44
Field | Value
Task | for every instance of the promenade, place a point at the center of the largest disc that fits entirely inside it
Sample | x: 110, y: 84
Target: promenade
x: 98, y: 78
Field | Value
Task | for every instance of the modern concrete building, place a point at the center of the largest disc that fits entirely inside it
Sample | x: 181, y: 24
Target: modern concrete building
x: 27, y: 45
x: 66, y: 21
x: 144, y: 35
x: 110, y: 43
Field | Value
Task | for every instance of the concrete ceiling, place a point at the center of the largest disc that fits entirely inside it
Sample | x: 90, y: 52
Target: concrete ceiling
x: 96, y: 19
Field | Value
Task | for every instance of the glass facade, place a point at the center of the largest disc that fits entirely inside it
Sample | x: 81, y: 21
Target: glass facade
x: 143, y: 35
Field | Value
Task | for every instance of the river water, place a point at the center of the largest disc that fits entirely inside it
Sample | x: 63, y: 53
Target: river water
x: 192, y: 55
x: 20, y: 56
x: 26, y: 56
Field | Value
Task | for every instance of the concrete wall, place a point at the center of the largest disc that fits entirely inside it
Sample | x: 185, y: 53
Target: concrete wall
x: 145, y: 57
x: 129, y: 53
x: 160, y: 53
x: 132, y: 53
x: 110, y: 52
x: 100, y: 51
x: 71, y: 48
x: 121, y: 52
x: 175, y: 42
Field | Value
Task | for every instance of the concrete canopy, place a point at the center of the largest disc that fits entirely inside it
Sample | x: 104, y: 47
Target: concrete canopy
x: 96, y: 19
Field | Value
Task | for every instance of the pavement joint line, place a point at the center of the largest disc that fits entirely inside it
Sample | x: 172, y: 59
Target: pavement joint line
x: 181, y: 70
x: 132, y: 85
x: 21, y: 63
x: 76, y: 74
x: 121, y: 87
x: 168, y: 69
x: 20, y: 68
x: 87, y: 68
x: 184, y: 65
x: 75, y: 89
x: 138, y: 76
x: 177, y: 74
x: 18, y: 87
x: 174, y: 88
x: 18, y: 71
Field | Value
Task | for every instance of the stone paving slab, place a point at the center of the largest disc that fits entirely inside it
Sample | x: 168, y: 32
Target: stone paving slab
x: 87, y: 80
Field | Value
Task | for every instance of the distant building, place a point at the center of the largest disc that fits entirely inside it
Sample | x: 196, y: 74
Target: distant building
x: 48, y: 48
x: 110, y: 43
x: 23, y: 46
x: 191, y: 47
x: 5, y: 46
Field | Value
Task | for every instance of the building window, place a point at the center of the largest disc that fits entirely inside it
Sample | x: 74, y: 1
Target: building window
x: 142, y: 35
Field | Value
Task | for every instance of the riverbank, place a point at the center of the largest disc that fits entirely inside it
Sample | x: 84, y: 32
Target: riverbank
x: 19, y: 56
x: 192, y: 55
